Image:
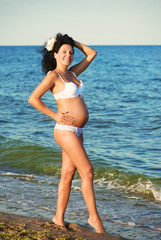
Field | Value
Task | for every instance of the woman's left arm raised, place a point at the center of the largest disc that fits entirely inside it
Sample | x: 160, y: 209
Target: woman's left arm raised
x: 90, y: 55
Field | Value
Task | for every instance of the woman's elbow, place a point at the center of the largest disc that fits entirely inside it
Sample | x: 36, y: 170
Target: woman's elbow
x: 94, y: 52
x: 31, y: 100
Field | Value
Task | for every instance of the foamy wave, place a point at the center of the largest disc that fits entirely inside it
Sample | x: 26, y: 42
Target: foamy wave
x: 142, y: 186
x: 75, y: 188
x: 133, y: 224
x: 146, y: 188
x: 156, y: 194
x: 21, y: 177
x: 155, y: 228
x: 10, y: 174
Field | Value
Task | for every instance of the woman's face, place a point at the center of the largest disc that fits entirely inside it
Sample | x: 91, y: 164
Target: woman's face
x: 65, y: 55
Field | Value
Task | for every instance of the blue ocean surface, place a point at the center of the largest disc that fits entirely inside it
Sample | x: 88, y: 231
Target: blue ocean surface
x: 122, y: 139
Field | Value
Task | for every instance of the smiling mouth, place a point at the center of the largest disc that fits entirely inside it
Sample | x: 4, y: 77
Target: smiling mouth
x: 68, y: 60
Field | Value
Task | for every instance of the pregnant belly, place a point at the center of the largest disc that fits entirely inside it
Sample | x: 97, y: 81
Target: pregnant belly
x: 80, y: 117
x: 76, y: 108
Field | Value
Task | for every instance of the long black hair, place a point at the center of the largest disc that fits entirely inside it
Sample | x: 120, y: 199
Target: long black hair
x: 48, y: 61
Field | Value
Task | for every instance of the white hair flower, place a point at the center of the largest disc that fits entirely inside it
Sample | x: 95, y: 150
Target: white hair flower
x: 50, y: 44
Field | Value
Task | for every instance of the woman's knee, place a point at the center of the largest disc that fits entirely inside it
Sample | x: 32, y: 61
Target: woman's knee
x: 87, y: 173
x: 68, y: 175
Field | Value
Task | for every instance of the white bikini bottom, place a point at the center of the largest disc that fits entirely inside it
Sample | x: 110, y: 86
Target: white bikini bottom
x: 78, y: 131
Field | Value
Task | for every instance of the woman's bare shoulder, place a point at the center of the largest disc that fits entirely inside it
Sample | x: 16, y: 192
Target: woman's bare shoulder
x: 51, y: 76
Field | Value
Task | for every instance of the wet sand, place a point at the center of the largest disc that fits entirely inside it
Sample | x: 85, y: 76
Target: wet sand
x: 21, y: 227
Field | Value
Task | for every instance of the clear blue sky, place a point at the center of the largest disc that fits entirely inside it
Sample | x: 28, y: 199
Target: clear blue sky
x: 108, y: 22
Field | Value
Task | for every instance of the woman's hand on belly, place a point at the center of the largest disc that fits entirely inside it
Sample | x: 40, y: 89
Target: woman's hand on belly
x: 64, y: 118
x: 74, y: 111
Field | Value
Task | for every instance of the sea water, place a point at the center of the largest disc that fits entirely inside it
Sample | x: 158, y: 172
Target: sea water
x: 122, y: 139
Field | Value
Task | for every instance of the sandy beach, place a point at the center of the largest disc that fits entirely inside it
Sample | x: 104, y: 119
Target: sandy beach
x: 21, y: 227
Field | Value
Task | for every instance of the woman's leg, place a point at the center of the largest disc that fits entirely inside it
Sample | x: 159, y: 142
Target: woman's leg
x: 73, y: 147
x: 67, y: 174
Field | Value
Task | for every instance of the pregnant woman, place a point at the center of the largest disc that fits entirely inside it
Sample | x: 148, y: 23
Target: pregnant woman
x: 70, y: 119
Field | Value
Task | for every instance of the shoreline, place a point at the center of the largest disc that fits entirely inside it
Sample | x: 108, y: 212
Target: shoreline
x: 21, y: 227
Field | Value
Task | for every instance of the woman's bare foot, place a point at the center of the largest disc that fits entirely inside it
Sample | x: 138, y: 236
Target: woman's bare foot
x: 58, y: 222
x: 97, y: 225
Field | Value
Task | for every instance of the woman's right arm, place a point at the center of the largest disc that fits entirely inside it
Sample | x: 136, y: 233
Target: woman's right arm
x: 43, y: 87
x: 35, y: 100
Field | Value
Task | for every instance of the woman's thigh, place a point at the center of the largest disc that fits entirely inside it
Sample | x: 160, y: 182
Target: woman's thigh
x: 72, y: 145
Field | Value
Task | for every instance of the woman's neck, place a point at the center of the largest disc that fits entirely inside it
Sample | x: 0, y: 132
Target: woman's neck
x: 61, y: 69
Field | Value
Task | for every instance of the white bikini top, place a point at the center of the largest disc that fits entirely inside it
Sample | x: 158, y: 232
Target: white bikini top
x: 71, y: 90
